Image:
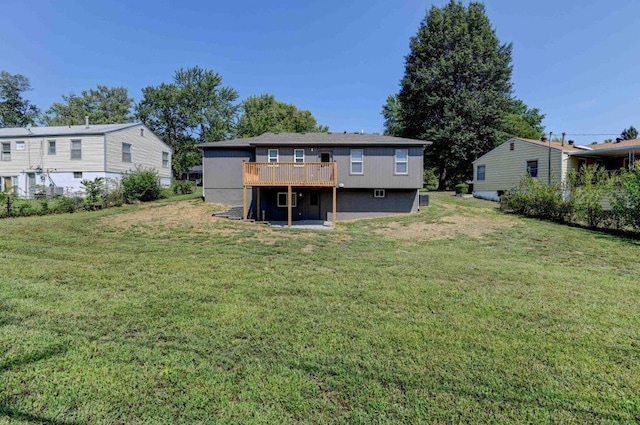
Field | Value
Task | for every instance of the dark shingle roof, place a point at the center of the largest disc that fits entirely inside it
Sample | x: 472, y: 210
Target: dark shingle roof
x: 314, y: 139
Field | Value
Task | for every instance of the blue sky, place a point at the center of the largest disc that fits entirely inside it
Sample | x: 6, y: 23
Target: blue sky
x: 578, y: 61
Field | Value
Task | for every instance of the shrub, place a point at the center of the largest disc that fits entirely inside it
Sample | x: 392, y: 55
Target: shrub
x: 141, y: 185
x: 535, y: 199
x: 588, y: 189
x: 184, y: 187
x: 65, y: 205
x: 625, y: 198
x: 95, y: 189
x: 462, y: 189
x: 430, y: 179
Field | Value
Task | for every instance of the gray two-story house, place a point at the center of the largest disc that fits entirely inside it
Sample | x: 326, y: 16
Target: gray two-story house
x: 315, y: 176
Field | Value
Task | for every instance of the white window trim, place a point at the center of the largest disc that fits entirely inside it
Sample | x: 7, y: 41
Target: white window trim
x: 165, y: 162
x: 294, y: 195
x: 55, y: 147
x: 406, y: 161
x: 351, y: 162
x: 124, y: 153
x: 71, y: 150
x: 484, y: 177
x: 295, y: 157
x: 269, y: 156
x: 379, y: 193
x: 21, y: 145
x: 6, y: 155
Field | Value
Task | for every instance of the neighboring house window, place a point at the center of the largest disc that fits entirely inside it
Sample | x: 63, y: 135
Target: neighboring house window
x: 402, y: 161
x: 357, y: 157
x: 19, y: 146
x: 378, y: 193
x: 512, y: 146
x: 532, y: 168
x: 51, y: 147
x: 126, y: 152
x: 273, y: 155
x: 77, y: 174
x: 165, y: 159
x: 480, y: 173
x: 76, y: 149
x: 282, y: 199
x: 6, y: 151
x: 298, y: 156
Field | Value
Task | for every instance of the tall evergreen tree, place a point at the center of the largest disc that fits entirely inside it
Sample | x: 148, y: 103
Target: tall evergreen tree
x: 456, y: 88
x: 103, y: 105
x: 16, y: 111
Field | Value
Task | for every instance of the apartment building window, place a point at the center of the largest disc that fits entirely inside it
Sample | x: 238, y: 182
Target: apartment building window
x: 6, y: 152
x: 126, y: 152
x: 532, y: 168
x: 480, y: 173
x: 378, y: 193
x: 357, y: 160
x: 76, y: 149
x: 51, y: 147
x: 298, y: 156
x: 402, y: 161
x: 273, y: 155
x: 165, y: 159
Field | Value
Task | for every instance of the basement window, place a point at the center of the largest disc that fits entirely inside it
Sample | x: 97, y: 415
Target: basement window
x: 282, y: 199
x: 77, y: 174
x: 378, y: 193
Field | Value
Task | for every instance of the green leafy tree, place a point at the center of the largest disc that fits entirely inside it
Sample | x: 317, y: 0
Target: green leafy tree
x: 392, y: 113
x: 522, y: 121
x: 194, y: 108
x: 16, y: 111
x: 262, y: 114
x: 629, y: 133
x: 103, y: 105
x: 456, y: 89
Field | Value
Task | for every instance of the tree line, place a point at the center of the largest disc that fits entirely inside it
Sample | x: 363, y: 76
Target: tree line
x: 195, y: 107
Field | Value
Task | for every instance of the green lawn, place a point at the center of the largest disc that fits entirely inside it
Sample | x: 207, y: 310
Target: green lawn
x: 161, y: 314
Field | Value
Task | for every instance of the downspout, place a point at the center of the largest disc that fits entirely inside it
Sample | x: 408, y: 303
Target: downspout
x: 549, y: 164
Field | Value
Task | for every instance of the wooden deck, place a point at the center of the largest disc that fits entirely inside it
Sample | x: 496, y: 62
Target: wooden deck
x: 308, y: 174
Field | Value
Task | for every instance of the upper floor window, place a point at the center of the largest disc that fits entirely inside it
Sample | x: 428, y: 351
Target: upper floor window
x: 273, y: 155
x: 126, y: 152
x: 532, y: 168
x: 6, y: 151
x: 480, y: 172
x: 298, y: 155
x: 402, y: 161
x: 20, y: 146
x: 76, y: 149
x: 357, y: 159
x: 51, y: 147
x: 165, y: 159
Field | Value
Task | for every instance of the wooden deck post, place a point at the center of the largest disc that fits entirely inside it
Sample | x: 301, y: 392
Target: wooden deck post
x: 258, y: 204
x: 244, y: 202
x: 335, y: 209
x: 289, y: 202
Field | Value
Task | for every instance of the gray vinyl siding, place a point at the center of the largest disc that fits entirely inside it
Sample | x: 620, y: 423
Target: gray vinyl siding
x: 378, y: 165
x: 504, y: 167
x: 222, y: 174
x: 146, y: 151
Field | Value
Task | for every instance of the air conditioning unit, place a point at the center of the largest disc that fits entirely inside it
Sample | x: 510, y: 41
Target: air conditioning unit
x: 55, y: 191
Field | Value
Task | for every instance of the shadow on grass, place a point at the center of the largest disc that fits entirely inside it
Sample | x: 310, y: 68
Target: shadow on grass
x: 54, y: 351
x: 13, y: 414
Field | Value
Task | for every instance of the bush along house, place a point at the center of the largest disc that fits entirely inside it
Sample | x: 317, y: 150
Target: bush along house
x: 314, y: 176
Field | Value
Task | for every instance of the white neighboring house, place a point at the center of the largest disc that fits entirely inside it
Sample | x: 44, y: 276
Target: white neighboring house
x: 57, y: 159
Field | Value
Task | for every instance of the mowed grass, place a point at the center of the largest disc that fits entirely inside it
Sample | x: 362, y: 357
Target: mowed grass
x: 161, y: 314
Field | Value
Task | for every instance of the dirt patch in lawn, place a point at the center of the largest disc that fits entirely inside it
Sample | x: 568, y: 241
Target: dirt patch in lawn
x: 189, y: 213
x: 447, y: 228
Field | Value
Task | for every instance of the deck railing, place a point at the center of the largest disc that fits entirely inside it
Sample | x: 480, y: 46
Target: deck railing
x: 318, y: 174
